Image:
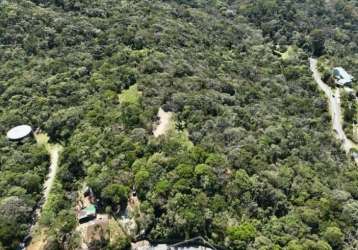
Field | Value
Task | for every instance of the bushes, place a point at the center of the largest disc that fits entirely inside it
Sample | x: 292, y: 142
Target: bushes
x: 115, y: 194
x: 251, y: 143
x: 241, y: 235
x: 334, y: 236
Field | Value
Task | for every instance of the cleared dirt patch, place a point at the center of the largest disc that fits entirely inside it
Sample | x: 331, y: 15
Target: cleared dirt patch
x: 39, y: 241
x: 96, y: 229
x: 164, y: 123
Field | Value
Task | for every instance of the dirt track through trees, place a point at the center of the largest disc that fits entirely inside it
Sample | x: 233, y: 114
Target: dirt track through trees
x: 334, y: 108
x: 54, y: 151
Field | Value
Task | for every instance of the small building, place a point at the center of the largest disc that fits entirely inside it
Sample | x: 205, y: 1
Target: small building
x: 341, y: 76
x: 87, y: 214
x: 19, y: 132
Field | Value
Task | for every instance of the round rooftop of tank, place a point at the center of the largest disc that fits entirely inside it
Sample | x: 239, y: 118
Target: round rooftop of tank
x: 19, y: 132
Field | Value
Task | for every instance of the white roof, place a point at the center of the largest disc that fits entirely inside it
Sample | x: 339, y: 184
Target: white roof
x: 19, y: 132
x: 344, y: 77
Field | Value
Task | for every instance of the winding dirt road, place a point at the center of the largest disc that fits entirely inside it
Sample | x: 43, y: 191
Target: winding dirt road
x: 334, y: 108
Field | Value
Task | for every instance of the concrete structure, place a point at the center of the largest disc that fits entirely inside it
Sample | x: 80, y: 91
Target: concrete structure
x: 87, y: 214
x: 341, y: 76
x: 19, y: 132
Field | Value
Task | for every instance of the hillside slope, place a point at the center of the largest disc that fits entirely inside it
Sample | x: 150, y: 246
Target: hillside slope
x: 252, y: 162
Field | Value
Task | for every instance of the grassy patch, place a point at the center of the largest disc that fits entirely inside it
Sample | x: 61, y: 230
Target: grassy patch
x: 42, y: 139
x: 289, y: 54
x: 115, y: 230
x: 184, y: 137
x: 324, y: 64
x: 39, y: 240
x: 180, y: 136
x: 130, y: 95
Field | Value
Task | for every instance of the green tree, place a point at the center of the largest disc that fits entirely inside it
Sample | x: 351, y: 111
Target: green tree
x: 115, y: 194
x: 334, y: 236
x: 317, y: 39
x: 241, y: 235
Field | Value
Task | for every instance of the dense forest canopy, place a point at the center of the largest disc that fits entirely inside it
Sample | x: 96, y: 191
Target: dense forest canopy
x: 252, y: 162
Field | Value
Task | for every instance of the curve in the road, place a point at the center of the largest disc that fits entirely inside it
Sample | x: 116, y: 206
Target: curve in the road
x: 334, y: 108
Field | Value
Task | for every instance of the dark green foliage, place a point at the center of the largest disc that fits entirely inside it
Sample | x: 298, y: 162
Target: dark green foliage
x: 259, y: 168
x: 115, y: 193
x: 317, y: 42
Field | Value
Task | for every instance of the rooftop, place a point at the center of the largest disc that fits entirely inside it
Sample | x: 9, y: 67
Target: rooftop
x: 87, y: 214
x: 342, y: 76
x: 90, y: 209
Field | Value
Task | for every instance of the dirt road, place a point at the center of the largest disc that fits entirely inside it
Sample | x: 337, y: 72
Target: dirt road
x: 54, y: 151
x: 334, y: 108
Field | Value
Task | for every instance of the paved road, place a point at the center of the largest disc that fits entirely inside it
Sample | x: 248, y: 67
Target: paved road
x: 334, y: 108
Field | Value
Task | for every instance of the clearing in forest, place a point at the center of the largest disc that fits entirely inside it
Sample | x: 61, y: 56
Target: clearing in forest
x: 39, y: 242
x: 166, y: 126
x: 164, y: 123
x: 130, y: 95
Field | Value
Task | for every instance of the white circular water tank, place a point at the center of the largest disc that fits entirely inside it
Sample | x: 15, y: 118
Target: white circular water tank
x: 19, y: 132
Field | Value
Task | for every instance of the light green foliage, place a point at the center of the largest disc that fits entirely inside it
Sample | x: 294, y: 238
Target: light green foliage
x: 294, y: 245
x: 350, y: 213
x: 249, y: 139
x: 65, y: 221
x: 289, y: 55
x: 334, y: 236
x: 202, y: 169
x: 242, y: 234
x: 310, y: 217
x: 141, y: 177
x: 162, y: 187
x: 319, y: 245
x: 242, y: 180
x: 131, y: 95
